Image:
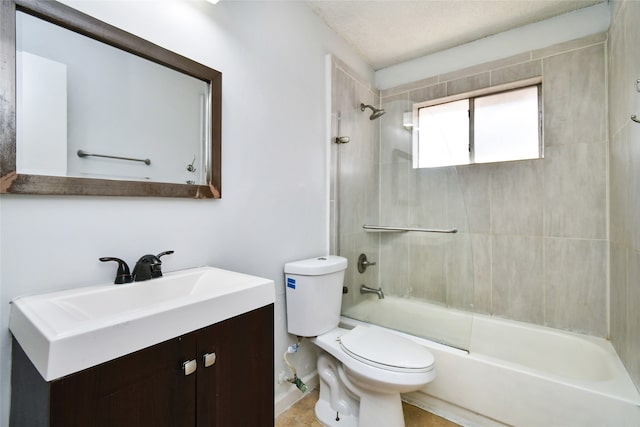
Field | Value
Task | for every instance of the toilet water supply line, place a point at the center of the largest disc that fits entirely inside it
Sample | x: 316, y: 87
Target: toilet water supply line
x: 295, y: 380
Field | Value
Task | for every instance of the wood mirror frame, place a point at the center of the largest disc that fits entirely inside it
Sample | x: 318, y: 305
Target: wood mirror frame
x: 67, y: 17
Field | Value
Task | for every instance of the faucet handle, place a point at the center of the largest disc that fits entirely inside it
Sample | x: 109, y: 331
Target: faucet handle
x: 164, y: 253
x: 149, y: 267
x: 156, y: 270
x: 363, y: 263
x: 123, y: 275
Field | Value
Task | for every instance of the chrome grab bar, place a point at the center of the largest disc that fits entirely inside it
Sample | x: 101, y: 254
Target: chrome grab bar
x: 82, y: 153
x: 405, y: 229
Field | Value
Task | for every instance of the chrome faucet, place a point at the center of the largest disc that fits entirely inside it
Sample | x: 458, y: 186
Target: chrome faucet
x: 367, y: 290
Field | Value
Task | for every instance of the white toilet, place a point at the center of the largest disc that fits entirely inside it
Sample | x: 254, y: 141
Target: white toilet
x: 363, y: 370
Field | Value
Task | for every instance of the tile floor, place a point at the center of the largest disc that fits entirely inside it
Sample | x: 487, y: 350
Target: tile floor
x: 301, y: 414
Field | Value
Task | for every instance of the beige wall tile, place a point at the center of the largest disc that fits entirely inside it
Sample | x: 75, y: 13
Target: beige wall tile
x: 342, y: 66
x: 632, y: 359
x: 517, y: 72
x: 460, y: 271
x: 352, y: 245
x: 467, y: 84
x: 396, y: 144
x: 427, y: 267
x: 619, y: 298
x: 428, y: 93
x: 517, y: 279
x: 619, y: 187
x: 492, y: 65
x: 634, y: 187
x: 394, y: 263
x: 349, y: 249
x: 516, y: 198
x: 576, y: 285
x: 394, y: 194
x: 344, y: 93
x: 481, y: 244
x: 574, y: 97
x: 621, y: 69
x: 474, y: 185
x: 404, y: 96
x: 427, y: 197
x: 409, y: 86
x: 575, y: 187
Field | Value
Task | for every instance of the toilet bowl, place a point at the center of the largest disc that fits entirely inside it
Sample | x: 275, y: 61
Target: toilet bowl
x: 363, y: 370
x: 371, y: 368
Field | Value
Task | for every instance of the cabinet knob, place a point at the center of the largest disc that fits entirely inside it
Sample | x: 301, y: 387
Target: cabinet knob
x: 209, y: 359
x: 189, y: 367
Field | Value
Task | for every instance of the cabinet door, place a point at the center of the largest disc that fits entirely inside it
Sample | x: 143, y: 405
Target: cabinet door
x: 238, y: 390
x: 145, y: 388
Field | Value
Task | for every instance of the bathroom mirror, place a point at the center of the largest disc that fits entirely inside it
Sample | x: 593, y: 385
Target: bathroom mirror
x: 89, y: 109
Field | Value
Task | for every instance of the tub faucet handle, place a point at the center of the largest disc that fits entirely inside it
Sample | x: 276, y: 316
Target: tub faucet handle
x: 363, y: 263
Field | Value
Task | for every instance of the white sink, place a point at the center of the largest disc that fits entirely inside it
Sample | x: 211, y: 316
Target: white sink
x: 68, y: 331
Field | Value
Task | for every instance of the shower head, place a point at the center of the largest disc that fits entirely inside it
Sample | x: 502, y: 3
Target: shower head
x: 376, y: 112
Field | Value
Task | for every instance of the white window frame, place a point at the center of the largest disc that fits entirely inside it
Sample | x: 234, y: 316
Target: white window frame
x: 493, y: 90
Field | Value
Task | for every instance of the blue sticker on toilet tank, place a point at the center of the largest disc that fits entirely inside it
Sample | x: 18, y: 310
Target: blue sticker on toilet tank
x: 291, y: 283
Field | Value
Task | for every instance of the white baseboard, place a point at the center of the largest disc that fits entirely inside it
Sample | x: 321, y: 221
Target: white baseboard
x: 285, y: 400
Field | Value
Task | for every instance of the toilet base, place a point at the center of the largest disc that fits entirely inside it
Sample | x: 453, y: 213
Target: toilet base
x: 344, y: 403
x: 328, y: 417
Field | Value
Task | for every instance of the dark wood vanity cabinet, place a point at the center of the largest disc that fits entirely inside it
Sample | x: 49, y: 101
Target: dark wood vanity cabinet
x: 243, y: 383
x: 150, y: 387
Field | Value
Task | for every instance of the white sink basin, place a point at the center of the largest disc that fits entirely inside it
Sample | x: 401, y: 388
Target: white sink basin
x: 68, y: 331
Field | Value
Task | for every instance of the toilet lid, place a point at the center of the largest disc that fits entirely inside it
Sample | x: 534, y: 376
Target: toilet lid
x: 386, y: 350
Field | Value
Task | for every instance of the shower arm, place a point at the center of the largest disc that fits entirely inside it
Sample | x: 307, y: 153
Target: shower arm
x: 375, y: 112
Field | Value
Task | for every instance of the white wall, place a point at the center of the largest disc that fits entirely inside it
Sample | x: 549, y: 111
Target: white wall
x: 275, y: 195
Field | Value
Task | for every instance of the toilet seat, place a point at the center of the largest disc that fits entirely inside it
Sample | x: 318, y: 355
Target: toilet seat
x: 385, y: 350
x: 370, y: 374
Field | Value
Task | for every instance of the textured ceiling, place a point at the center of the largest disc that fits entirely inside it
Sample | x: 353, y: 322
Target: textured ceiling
x: 388, y: 32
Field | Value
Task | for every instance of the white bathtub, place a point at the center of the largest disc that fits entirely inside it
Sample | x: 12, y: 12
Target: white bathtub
x: 514, y: 373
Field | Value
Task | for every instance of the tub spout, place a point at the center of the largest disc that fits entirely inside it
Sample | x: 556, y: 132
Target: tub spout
x: 367, y: 290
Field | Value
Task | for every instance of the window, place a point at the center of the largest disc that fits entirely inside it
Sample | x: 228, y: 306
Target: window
x: 490, y: 128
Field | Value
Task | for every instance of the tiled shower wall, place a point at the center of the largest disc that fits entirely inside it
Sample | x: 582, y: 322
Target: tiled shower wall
x: 354, y: 175
x: 624, y: 175
x: 534, y: 242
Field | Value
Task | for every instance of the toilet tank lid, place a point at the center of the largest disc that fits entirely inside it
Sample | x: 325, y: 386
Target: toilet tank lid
x: 317, y: 266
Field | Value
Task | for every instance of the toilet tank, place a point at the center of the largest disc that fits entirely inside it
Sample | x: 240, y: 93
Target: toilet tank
x: 314, y: 294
